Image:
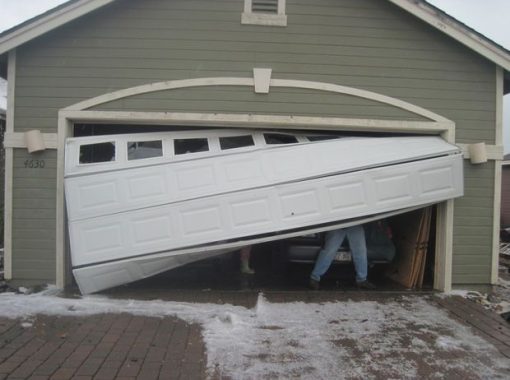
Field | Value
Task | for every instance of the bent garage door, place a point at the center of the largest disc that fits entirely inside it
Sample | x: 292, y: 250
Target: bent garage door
x: 141, y: 204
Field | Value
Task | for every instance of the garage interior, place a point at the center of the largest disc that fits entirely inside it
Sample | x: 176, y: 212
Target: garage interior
x: 275, y: 263
x: 275, y: 270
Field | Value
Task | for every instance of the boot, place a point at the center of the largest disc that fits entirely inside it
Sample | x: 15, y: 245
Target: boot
x: 245, y: 269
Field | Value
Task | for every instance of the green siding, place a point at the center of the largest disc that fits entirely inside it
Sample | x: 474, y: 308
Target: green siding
x: 33, y: 225
x: 473, y: 224
x: 244, y: 100
x: 367, y: 44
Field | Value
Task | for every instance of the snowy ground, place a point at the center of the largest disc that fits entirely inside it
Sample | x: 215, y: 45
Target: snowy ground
x: 396, y: 338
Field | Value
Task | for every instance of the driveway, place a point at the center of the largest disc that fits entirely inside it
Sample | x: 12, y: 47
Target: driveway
x: 198, y: 334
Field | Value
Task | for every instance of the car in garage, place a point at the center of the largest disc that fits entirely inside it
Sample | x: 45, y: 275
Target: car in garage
x: 380, y: 247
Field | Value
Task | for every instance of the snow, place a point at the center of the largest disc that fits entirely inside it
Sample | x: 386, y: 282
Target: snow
x: 351, y: 339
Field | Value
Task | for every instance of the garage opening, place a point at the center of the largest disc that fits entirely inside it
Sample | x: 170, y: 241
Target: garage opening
x: 97, y: 209
x: 398, y: 257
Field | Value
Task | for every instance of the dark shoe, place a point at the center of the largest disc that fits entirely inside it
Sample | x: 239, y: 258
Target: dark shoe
x: 314, y: 284
x: 365, y: 285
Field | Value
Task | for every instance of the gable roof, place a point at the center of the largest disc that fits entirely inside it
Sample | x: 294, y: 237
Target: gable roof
x: 438, y: 19
x: 48, y: 21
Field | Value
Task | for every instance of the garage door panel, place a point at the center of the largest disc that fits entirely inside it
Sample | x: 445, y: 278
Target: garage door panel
x: 295, y: 205
x: 165, y: 181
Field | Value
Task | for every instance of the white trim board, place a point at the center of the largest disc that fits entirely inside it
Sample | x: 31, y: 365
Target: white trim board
x: 498, y: 173
x: 259, y: 121
x: 17, y: 140
x: 9, y: 166
x: 232, y: 81
x: 494, y: 152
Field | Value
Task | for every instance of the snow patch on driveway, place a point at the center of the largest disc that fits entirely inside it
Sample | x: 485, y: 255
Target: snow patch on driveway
x: 351, y: 339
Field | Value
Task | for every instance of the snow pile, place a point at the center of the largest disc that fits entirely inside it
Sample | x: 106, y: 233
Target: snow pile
x: 497, y: 300
x: 304, y: 340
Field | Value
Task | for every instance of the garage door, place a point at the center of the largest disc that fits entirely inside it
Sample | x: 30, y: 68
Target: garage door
x: 142, y: 204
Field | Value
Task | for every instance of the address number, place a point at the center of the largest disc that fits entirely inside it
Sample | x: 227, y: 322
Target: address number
x: 34, y: 164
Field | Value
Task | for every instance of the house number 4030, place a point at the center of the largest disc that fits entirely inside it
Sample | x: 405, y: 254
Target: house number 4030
x: 34, y: 164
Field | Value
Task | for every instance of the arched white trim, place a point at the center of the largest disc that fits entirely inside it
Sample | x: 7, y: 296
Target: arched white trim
x: 335, y: 88
x: 437, y: 124
x: 228, y: 81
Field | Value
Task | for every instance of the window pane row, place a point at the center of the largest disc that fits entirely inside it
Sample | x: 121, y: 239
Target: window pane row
x: 105, y: 152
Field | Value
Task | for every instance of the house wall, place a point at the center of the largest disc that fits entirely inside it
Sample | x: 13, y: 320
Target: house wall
x: 505, y: 196
x: 366, y: 44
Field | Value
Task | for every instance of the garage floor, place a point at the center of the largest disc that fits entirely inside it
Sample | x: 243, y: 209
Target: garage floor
x: 271, y: 273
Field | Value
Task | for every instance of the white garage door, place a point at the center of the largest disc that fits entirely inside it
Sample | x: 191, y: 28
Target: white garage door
x: 142, y: 204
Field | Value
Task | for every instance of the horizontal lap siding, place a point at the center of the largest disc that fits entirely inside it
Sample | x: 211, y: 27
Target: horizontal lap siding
x: 366, y: 44
x: 505, y: 196
x: 33, y: 225
x: 473, y: 224
x: 244, y: 100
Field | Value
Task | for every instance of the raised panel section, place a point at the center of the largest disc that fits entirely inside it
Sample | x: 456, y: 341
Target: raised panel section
x: 347, y: 196
x: 146, y: 186
x: 392, y: 189
x: 98, y: 194
x: 300, y: 203
x: 195, y: 177
x: 201, y: 220
x: 153, y: 230
x: 251, y: 212
x: 437, y: 179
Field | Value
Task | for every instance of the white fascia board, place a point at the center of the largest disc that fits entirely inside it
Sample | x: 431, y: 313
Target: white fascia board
x: 457, y: 31
x: 47, y: 23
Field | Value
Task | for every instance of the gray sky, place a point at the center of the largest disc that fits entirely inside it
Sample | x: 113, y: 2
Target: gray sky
x: 489, y: 17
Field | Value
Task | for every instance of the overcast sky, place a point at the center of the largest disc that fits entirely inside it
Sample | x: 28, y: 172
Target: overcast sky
x: 489, y: 17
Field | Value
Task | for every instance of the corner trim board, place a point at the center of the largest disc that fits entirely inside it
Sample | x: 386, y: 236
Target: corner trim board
x: 9, y: 163
x: 498, y: 173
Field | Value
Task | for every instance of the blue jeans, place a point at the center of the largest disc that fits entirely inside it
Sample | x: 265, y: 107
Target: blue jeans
x: 334, y: 239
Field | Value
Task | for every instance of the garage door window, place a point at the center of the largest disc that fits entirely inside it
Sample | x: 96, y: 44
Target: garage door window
x: 233, y: 142
x: 144, y: 149
x: 185, y: 146
x: 279, y: 138
x: 95, y: 153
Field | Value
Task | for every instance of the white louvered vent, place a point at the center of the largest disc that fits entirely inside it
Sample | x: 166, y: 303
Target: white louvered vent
x: 264, y: 6
x: 264, y: 12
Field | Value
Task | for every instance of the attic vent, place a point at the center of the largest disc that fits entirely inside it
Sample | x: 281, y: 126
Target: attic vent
x: 264, y: 12
x: 264, y: 6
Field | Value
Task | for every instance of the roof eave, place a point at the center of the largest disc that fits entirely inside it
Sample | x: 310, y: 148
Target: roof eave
x: 465, y: 35
x: 47, y: 22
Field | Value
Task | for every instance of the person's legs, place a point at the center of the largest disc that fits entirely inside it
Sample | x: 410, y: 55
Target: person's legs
x: 245, y: 260
x: 327, y: 254
x: 356, y: 237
